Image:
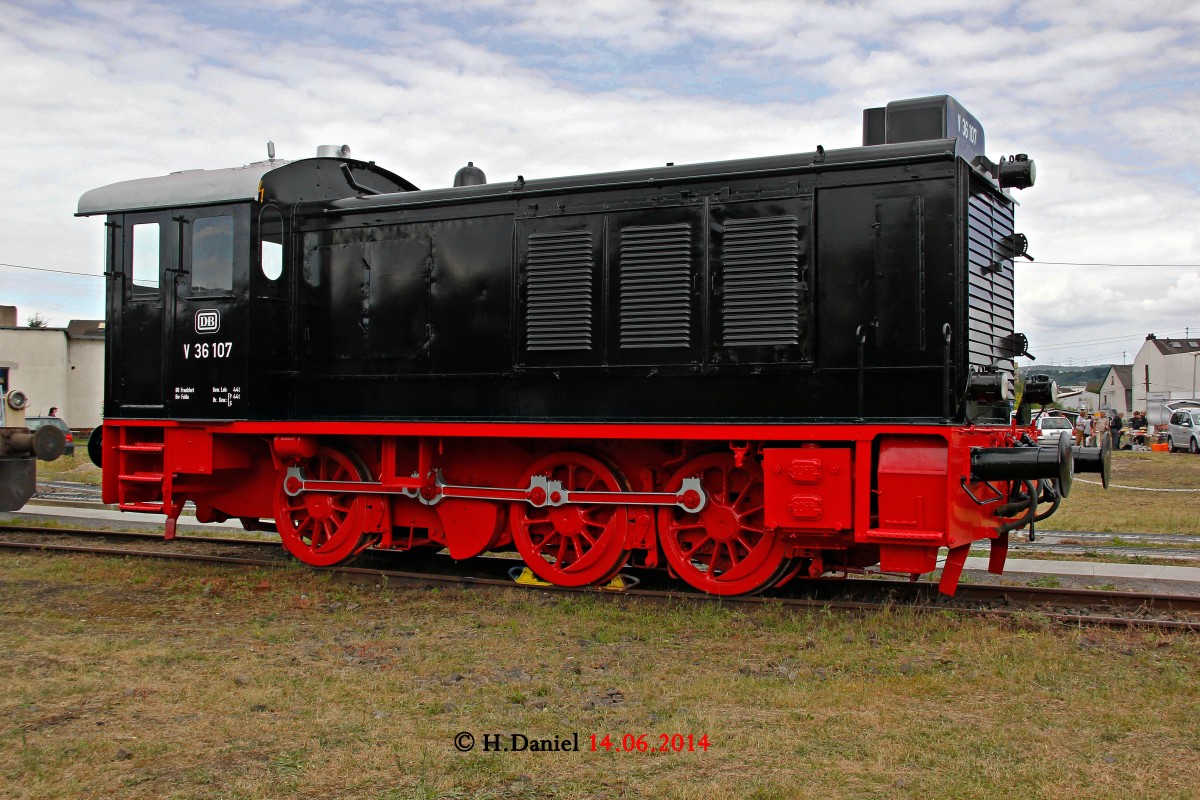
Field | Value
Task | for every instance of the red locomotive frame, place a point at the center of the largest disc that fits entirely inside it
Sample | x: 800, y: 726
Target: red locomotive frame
x: 580, y: 501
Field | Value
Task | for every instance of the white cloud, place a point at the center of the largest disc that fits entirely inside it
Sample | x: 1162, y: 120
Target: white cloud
x: 1103, y: 96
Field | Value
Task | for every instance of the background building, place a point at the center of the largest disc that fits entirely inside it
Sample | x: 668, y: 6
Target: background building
x: 1165, y: 369
x: 61, y: 367
x: 1116, y: 392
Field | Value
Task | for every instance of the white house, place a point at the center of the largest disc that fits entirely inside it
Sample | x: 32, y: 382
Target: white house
x: 1165, y: 369
x: 55, y: 367
x: 1116, y: 392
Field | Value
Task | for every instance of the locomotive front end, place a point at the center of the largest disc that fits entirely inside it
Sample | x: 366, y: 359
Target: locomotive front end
x: 1000, y: 475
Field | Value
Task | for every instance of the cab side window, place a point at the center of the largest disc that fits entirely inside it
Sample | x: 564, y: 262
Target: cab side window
x: 146, y: 243
x: 270, y: 236
x: 212, y: 254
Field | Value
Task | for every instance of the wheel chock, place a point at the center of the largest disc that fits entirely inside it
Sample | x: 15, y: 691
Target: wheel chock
x: 524, y: 576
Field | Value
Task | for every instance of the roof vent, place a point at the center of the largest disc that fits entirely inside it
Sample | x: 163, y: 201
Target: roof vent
x: 333, y: 151
x: 470, y: 175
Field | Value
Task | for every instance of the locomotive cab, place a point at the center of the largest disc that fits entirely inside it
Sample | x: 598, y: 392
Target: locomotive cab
x: 198, y: 296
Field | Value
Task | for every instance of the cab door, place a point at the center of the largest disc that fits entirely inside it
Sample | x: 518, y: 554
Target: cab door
x: 207, y: 354
x: 142, y: 247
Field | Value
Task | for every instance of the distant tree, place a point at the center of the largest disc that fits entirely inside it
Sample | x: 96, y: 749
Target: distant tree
x: 37, y: 320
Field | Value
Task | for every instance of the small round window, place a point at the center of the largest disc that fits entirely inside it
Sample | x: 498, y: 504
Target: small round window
x: 270, y: 236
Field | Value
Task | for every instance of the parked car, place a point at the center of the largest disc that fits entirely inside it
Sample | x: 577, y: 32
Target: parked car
x: 33, y: 423
x: 1049, y: 429
x: 1183, y: 430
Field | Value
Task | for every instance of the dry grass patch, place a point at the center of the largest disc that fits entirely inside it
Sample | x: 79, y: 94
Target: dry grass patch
x: 1092, y: 508
x: 136, y: 679
x: 77, y: 467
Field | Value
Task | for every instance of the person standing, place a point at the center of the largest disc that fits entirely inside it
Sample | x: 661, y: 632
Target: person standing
x: 1100, y: 429
x: 1115, y: 427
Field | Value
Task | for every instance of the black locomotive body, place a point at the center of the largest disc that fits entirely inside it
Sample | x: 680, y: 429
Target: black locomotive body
x: 293, y: 337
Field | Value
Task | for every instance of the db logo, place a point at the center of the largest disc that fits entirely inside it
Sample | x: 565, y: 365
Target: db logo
x: 208, y: 321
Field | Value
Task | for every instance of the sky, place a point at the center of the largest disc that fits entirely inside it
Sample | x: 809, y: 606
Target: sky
x: 1105, y: 96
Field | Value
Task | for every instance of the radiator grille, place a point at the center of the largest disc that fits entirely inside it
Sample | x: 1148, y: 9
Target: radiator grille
x: 655, y: 275
x: 558, y: 291
x: 760, y: 291
x: 989, y: 291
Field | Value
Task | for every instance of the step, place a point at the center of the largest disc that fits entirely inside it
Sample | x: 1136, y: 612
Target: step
x: 142, y: 477
x: 152, y: 508
x: 141, y: 447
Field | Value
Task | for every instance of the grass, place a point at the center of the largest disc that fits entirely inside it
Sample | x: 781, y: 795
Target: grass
x: 134, y: 679
x: 77, y: 467
x: 1092, y: 508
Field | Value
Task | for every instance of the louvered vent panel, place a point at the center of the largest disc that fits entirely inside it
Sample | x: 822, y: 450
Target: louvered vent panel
x: 558, y: 291
x: 989, y: 294
x: 655, y: 286
x: 760, y: 300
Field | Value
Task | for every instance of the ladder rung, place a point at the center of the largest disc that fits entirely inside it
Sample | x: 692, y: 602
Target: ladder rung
x: 155, y: 508
x: 142, y: 477
x: 142, y: 447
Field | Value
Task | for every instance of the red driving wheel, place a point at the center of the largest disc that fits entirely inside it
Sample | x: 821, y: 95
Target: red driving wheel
x: 323, y: 528
x: 724, y: 549
x: 572, y: 545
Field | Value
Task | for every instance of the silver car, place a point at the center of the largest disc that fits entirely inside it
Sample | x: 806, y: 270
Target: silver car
x: 1050, y: 428
x: 1183, y: 430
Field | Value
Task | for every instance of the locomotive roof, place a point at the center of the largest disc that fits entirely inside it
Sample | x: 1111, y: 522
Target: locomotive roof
x: 301, y: 180
x: 935, y: 149
x: 193, y: 187
x: 202, y: 187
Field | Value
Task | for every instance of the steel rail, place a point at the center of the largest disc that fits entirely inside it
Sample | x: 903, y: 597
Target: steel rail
x: 1173, y: 553
x: 921, y: 597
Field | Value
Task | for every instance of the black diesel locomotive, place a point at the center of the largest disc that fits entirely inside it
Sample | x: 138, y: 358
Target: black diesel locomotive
x: 742, y: 371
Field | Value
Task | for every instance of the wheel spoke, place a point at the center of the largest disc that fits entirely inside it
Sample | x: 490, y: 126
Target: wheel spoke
x: 697, y: 546
x: 743, y: 497
x: 750, y: 511
x: 712, y: 558
x: 540, y: 544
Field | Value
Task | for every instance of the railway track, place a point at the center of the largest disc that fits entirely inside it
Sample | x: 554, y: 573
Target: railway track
x: 1154, y: 545
x: 1067, y: 548
x: 67, y: 491
x: 1070, y: 606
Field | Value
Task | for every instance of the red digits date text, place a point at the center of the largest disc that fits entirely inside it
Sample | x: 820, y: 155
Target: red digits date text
x: 651, y: 743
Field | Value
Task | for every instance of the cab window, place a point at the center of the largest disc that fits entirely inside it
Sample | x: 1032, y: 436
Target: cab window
x: 146, y: 240
x: 212, y: 254
x: 270, y: 234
